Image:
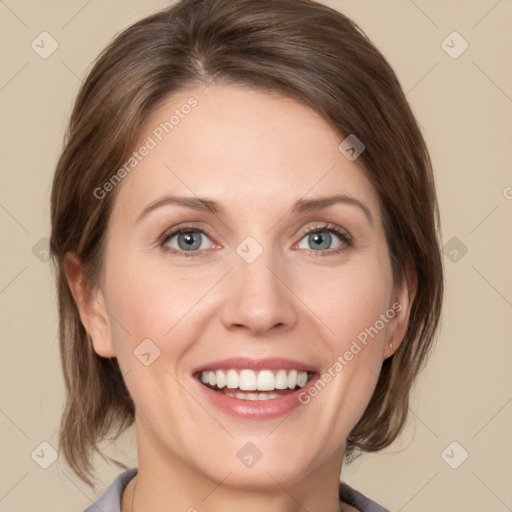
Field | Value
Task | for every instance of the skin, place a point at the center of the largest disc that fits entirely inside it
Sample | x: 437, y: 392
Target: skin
x: 256, y: 154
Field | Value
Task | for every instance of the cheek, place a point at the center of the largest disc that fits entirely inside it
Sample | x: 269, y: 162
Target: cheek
x: 150, y: 328
x: 163, y: 303
x: 156, y: 303
x: 352, y: 310
x: 351, y: 303
x: 150, y: 301
x: 355, y: 309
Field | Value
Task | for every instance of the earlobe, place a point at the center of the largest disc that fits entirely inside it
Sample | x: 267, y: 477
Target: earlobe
x: 404, y: 298
x: 91, y: 307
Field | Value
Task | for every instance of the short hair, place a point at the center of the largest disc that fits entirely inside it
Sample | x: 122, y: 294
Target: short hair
x: 304, y: 51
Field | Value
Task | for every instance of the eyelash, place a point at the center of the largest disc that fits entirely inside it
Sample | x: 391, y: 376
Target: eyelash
x: 346, y: 240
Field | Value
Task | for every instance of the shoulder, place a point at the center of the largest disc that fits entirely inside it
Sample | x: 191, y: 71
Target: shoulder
x: 358, y: 500
x: 110, y: 500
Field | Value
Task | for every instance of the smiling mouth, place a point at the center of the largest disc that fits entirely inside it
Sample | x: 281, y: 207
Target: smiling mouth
x: 247, y: 384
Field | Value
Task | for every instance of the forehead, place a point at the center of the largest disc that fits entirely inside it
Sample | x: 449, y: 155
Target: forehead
x: 254, y: 151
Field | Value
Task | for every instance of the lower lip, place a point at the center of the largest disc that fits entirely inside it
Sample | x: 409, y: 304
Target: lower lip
x: 256, y: 409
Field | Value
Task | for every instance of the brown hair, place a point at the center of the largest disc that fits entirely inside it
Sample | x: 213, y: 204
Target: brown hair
x: 303, y: 50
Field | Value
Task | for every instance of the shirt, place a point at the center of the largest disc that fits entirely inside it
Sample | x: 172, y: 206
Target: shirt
x: 110, y: 500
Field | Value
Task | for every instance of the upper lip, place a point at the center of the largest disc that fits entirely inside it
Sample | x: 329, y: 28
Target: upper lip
x: 269, y: 363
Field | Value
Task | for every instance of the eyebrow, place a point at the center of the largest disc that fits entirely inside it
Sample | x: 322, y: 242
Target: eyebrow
x: 302, y: 205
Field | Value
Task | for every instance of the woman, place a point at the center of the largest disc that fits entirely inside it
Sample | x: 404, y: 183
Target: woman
x: 246, y: 237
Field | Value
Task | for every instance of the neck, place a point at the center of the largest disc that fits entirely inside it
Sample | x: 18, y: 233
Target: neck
x: 165, y: 482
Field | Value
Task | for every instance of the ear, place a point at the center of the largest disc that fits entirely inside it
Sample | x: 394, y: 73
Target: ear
x: 91, y: 307
x: 403, y: 300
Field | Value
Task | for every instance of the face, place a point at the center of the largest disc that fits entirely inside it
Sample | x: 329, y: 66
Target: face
x: 295, y: 292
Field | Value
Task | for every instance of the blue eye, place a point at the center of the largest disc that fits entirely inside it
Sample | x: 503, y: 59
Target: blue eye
x: 188, y: 239
x: 193, y: 242
x: 319, y: 240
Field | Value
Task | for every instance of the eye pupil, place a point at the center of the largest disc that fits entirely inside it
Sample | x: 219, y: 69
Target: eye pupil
x: 191, y: 240
x: 317, y: 237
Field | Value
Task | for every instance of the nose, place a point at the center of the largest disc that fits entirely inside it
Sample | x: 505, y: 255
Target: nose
x: 258, y: 296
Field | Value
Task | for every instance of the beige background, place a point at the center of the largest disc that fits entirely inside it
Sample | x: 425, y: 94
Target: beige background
x: 464, y: 106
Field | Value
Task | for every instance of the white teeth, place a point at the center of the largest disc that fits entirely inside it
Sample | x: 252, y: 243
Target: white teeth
x: 265, y: 381
x: 252, y: 396
x: 281, y: 380
x: 292, y: 379
x: 231, y: 379
x: 220, y: 377
x: 249, y: 380
x: 302, y: 379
